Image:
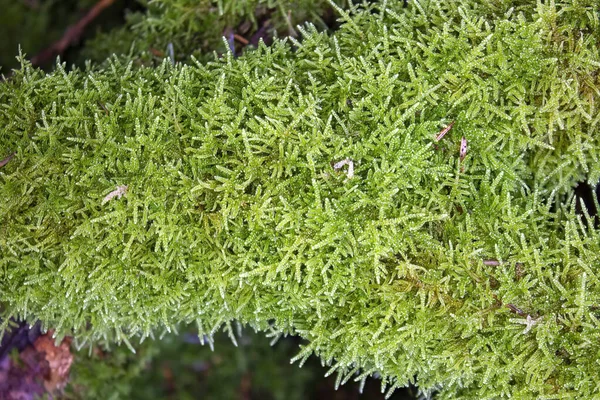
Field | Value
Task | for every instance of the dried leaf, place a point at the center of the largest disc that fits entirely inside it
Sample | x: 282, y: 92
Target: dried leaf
x: 463, y: 148
x: 7, y: 159
x: 40, y: 368
x: 443, y: 132
x: 59, y: 360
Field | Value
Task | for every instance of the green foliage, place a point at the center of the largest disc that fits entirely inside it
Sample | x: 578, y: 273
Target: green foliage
x: 234, y: 210
x: 177, y: 367
x: 32, y: 25
x: 196, y: 27
x: 121, y: 367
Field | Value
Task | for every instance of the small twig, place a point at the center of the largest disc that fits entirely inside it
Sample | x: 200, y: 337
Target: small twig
x: 443, y: 132
x: 241, y: 39
x: 72, y: 34
x: 7, y: 159
x: 516, y: 309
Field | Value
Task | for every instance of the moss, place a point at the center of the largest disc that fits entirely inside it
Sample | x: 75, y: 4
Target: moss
x: 180, y: 28
x: 469, y: 273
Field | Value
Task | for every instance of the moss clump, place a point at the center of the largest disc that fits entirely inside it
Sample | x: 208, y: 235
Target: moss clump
x: 469, y: 273
x: 180, y: 28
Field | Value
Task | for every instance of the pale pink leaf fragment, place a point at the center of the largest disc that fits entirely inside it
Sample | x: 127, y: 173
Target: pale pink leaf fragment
x: 530, y: 322
x: 493, y: 263
x: 463, y: 148
x: 338, y: 165
x: 118, y: 192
